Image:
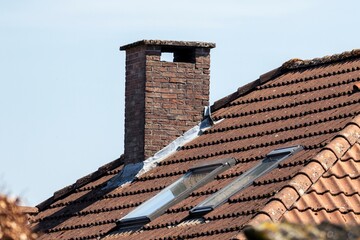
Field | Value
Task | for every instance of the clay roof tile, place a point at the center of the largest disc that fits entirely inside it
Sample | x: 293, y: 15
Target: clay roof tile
x: 306, y: 102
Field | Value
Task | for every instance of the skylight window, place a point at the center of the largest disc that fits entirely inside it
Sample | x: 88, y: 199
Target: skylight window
x: 174, y: 193
x: 270, y: 162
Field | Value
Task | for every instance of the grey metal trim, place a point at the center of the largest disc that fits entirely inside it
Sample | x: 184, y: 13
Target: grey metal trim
x: 289, y: 150
x: 215, y: 168
x: 246, y: 179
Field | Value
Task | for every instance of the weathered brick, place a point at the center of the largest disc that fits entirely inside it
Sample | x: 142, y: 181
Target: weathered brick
x: 163, y: 99
x: 177, y: 80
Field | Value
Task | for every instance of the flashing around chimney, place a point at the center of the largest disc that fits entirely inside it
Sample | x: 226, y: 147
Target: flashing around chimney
x: 207, y: 119
x: 133, y: 170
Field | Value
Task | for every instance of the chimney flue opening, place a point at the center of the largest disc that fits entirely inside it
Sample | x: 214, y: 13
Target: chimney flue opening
x: 167, y: 57
x: 185, y: 55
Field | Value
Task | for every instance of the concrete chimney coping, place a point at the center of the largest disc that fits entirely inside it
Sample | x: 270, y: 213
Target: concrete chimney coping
x: 168, y: 43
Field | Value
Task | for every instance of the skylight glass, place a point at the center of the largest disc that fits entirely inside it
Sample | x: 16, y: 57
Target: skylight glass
x: 270, y: 162
x: 177, y: 191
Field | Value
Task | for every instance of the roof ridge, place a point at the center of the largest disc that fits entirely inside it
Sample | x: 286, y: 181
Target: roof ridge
x: 247, y: 88
x: 291, y: 64
x: 296, y: 63
x: 81, y: 182
x: 282, y: 202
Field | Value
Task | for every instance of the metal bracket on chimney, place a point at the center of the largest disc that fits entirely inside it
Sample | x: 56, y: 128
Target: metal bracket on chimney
x: 207, y: 119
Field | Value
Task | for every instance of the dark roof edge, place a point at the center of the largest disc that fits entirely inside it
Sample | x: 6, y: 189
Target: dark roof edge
x: 81, y: 182
x: 231, y: 97
x: 292, y: 64
x: 246, y: 89
x: 170, y: 43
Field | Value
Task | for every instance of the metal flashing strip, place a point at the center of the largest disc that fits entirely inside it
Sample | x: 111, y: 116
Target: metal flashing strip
x: 246, y: 179
x: 136, y: 221
x: 188, y: 136
x: 133, y: 170
x: 286, y: 150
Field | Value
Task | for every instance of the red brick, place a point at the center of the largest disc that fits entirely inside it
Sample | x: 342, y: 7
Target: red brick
x: 169, y: 96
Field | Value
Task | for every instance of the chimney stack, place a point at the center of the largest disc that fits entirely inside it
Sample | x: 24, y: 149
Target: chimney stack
x: 163, y: 99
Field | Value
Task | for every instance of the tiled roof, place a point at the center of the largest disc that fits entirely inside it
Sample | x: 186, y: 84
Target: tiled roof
x: 335, y: 196
x: 310, y: 103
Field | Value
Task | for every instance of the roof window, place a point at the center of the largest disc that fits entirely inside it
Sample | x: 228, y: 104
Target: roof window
x: 174, y: 193
x: 266, y: 165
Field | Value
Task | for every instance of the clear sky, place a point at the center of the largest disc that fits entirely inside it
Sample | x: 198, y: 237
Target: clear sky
x: 62, y: 74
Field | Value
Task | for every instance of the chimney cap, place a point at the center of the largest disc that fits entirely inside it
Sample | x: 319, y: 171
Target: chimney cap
x: 170, y: 43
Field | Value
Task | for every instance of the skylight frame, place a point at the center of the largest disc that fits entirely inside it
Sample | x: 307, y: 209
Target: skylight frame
x: 270, y: 162
x: 142, y: 215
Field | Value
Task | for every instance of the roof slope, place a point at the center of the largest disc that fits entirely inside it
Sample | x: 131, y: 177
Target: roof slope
x: 335, y: 196
x: 304, y: 102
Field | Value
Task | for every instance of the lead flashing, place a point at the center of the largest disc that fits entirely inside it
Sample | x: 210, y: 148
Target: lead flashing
x: 134, y: 170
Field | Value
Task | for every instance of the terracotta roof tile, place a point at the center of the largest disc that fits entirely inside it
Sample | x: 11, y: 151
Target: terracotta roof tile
x: 236, y: 209
x: 335, y: 197
x: 356, y: 86
x: 287, y: 196
x: 349, y: 168
x: 351, y: 133
x: 339, y: 146
x: 312, y: 217
x: 259, y: 218
x: 336, y: 185
x: 326, y: 158
x: 313, y: 171
x: 354, y: 154
x: 311, y: 103
x: 275, y: 209
x: 340, y: 202
x: 300, y: 183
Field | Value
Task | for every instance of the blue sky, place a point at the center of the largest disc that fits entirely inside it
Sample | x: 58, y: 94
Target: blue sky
x: 62, y: 74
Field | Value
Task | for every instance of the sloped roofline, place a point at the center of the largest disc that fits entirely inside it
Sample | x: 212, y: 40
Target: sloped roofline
x: 285, y: 67
x: 289, y: 65
x: 81, y: 182
x: 279, y: 204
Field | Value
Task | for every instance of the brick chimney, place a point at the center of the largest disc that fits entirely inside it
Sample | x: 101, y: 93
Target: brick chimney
x: 163, y: 99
